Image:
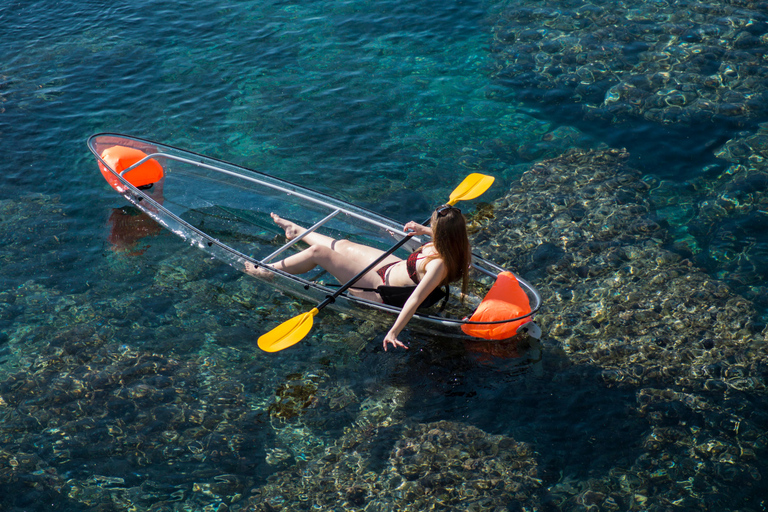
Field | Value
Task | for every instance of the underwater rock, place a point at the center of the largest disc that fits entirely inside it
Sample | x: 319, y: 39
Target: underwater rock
x: 722, y: 222
x: 416, y: 467
x: 33, y: 230
x: 689, y: 448
x: 584, y: 229
x: 652, y: 60
x: 120, y: 413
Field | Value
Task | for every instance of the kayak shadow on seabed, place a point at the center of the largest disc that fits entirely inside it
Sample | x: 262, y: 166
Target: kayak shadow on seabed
x: 523, y: 347
x: 128, y: 225
x: 521, y: 355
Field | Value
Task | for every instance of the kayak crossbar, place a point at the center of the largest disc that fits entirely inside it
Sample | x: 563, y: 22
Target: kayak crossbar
x: 298, y: 238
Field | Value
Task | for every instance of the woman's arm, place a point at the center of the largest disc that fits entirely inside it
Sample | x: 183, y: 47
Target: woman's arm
x: 435, y: 273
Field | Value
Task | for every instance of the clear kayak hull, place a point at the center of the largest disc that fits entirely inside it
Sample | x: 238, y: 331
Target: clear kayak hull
x: 224, y: 209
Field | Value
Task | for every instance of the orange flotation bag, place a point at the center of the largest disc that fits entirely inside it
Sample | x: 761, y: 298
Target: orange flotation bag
x: 505, y: 300
x: 120, y: 158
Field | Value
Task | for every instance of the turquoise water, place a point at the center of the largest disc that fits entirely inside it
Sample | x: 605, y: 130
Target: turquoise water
x: 129, y: 375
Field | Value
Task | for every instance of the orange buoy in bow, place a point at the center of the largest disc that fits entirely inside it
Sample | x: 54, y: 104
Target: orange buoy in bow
x: 119, y: 158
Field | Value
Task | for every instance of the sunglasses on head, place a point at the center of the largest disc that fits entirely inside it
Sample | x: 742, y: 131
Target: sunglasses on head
x: 442, y: 211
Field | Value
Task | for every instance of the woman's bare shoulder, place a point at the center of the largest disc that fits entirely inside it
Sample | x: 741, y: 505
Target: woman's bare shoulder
x: 435, y: 265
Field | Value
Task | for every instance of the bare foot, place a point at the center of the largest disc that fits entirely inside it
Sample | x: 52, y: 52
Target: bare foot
x: 257, y: 271
x: 291, y: 230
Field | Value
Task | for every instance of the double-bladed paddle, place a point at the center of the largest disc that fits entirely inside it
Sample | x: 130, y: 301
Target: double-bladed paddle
x: 292, y: 331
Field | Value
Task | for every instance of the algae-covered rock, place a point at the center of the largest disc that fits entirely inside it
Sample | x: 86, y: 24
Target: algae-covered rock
x: 720, y: 219
x: 661, y: 61
x: 412, y: 467
x: 584, y: 229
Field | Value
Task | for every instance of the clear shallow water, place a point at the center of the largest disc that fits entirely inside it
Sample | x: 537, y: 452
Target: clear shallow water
x: 386, y: 104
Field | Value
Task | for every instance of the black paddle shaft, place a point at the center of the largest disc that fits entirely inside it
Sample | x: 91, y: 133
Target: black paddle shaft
x: 330, y: 299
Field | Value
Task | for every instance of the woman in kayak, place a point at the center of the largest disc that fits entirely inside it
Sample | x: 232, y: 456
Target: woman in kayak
x: 445, y: 259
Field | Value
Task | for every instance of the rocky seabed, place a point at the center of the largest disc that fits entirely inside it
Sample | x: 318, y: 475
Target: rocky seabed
x: 97, y: 425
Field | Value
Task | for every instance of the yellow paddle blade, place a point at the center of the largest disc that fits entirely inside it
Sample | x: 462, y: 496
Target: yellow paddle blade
x: 472, y: 186
x: 288, y: 333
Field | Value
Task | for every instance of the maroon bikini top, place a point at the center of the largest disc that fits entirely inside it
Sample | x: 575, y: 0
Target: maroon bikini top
x: 410, y: 266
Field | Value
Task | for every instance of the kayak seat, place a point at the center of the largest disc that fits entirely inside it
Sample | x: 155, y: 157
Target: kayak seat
x: 398, y: 295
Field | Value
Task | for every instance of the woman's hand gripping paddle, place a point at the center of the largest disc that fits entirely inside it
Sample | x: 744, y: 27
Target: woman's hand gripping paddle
x: 294, y: 330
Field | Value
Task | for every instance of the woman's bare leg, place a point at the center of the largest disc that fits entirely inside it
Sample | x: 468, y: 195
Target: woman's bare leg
x: 292, y: 230
x: 322, y: 252
x: 257, y: 271
x: 341, y: 258
x: 348, y: 249
x: 337, y: 264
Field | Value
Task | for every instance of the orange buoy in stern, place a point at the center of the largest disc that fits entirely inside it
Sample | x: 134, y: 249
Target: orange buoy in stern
x: 120, y: 158
x: 505, y: 300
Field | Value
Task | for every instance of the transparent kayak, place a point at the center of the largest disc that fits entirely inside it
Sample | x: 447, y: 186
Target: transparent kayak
x: 224, y: 209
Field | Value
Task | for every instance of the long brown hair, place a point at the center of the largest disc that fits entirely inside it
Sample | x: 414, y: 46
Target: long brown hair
x: 449, y: 230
